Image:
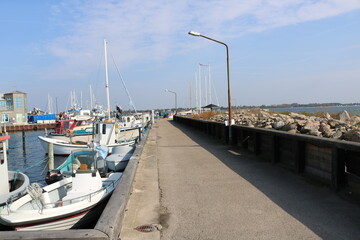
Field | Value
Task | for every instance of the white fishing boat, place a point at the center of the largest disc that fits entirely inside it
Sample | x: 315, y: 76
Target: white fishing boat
x: 78, y: 128
x: 69, y: 203
x: 61, y: 147
x: 12, y: 183
x: 65, y: 169
x: 119, y: 157
x: 105, y: 134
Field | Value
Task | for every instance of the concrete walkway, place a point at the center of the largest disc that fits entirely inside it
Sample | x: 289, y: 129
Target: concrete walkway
x: 191, y: 187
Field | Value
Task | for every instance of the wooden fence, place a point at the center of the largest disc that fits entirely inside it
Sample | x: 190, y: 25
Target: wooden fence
x: 332, y: 162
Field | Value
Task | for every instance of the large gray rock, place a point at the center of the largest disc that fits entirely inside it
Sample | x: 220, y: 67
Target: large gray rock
x: 277, y: 125
x: 310, y: 126
x: 298, y: 116
x: 324, y: 127
x: 338, y: 134
x: 343, y: 127
x: 289, y: 127
x: 352, y: 136
x: 344, y: 116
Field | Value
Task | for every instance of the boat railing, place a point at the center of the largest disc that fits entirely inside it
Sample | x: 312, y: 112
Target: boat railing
x: 107, y: 185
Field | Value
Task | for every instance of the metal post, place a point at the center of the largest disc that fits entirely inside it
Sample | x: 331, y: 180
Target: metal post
x: 7, y: 140
x: 152, y: 117
x: 51, y: 156
x: 139, y: 134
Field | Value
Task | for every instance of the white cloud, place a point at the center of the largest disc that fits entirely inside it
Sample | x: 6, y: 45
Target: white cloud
x: 140, y: 30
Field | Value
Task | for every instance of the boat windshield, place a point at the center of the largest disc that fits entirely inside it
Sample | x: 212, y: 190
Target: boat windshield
x: 83, y: 160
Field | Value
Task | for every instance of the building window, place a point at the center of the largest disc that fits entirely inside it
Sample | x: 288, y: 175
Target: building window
x: 19, y: 102
x: 19, y: 117
x: 2, y: 104
x: 9, y: 103
x: 5, y: 118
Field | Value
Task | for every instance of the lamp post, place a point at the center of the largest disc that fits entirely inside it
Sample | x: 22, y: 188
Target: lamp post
x: 167, y: 90
x: 196, y: 34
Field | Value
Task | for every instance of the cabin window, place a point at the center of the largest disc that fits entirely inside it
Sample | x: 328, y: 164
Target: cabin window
x: 128, y: 119
x: 97, y: 129
x: 66, y: 125
x: 104, y: 129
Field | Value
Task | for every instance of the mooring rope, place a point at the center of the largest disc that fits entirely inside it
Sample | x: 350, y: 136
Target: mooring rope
x: 32, y: 166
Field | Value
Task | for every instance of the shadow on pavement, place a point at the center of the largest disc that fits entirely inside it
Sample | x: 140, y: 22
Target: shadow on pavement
x: 316, y: 206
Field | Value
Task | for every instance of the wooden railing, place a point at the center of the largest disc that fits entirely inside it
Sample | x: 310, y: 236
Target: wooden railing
x: 332, y: 162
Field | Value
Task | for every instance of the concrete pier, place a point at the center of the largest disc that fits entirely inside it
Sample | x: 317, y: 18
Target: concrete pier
x: 26, y: 127
x: 189, y: 186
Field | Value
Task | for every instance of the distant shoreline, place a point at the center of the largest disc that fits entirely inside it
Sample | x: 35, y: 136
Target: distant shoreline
x: 308, y: 105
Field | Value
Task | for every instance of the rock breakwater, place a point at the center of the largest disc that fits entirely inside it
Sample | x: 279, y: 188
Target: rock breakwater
x: 342, y: 126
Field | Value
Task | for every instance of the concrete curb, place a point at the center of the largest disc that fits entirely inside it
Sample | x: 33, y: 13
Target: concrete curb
x: 110, y: 221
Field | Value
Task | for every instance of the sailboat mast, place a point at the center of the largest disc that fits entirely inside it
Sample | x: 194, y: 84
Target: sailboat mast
x: 107, y: 81
x: 91, y: 99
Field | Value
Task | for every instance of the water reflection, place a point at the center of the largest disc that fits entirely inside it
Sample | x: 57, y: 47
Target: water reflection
x: 25, y: 151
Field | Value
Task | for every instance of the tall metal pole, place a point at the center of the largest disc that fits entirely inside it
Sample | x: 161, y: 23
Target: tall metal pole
x: 209, y: 78
x: 190, y: 94
x: 196, y: 94
x: 199, y: 89
x: 107, y: 81
x: 228, y: 76
x: 91, y: 99
x: 167, y: 90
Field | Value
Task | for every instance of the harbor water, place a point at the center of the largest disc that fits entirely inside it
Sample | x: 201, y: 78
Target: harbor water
x: 27, y: 155
x: 330, y: 109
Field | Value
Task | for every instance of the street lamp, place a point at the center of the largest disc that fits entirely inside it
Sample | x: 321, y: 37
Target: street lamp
x: 167, y: 90
x: 196, y: 34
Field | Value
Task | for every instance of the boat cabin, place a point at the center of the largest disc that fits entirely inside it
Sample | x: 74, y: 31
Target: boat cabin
x: 81, y: 126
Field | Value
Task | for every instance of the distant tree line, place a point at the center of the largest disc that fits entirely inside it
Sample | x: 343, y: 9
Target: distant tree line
x: 293, y: 105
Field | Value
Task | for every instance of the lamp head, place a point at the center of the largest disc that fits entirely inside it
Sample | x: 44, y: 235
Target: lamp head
x: 196, y: 34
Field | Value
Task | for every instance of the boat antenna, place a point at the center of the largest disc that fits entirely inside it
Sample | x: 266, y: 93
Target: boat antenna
x: 122, y: 80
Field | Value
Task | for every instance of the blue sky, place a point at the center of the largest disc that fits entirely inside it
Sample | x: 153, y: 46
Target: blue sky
x: 281, y: 51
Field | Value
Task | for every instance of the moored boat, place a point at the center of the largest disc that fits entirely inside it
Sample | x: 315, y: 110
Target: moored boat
x: 68, y: 203
x: 106, y: 134
x: 12, y: 183
x: 119, y: 157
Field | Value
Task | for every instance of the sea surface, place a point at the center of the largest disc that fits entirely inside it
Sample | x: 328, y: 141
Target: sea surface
x: 332, y: 109
x: 27, y: 155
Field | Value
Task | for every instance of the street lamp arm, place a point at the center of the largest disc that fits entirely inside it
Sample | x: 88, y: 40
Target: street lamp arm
x: 196, y: 34
x: 167, y: 90
x: 211, y: 39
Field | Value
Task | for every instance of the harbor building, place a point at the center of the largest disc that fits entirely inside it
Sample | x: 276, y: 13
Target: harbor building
x: 13, y: 107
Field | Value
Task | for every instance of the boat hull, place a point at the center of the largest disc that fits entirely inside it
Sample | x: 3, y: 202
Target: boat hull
x: 60, y: 147
x: 63, y: 148
x: 119, y: 157
x: 61, y: 214
x: 16, y: 187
